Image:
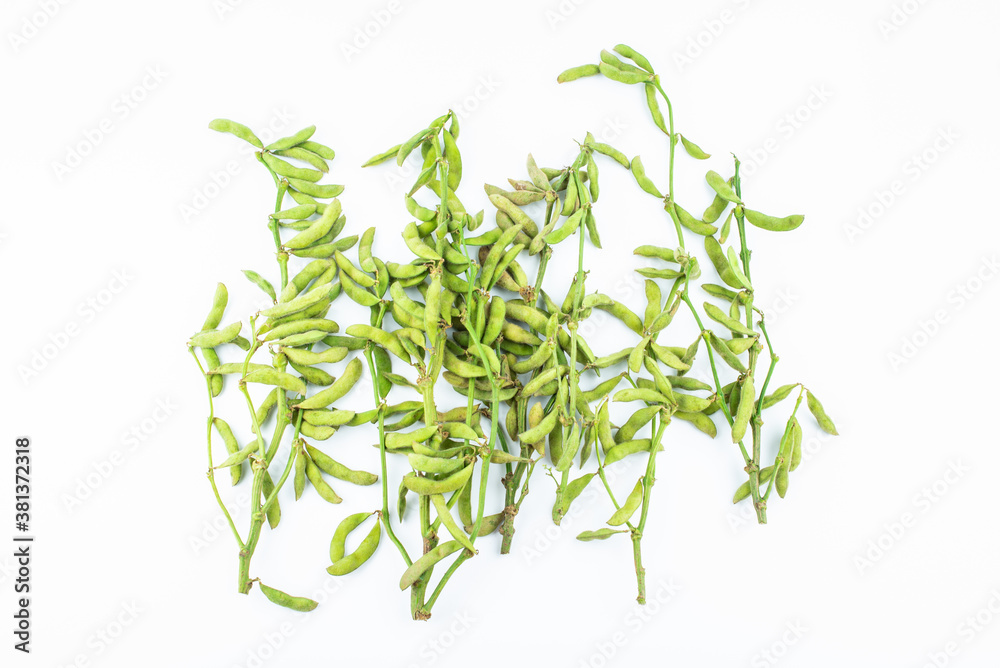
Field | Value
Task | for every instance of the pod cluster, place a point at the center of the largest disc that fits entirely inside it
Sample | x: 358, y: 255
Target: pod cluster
x: 521, y: 385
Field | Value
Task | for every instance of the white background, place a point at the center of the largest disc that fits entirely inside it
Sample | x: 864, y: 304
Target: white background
x: 827, y: 104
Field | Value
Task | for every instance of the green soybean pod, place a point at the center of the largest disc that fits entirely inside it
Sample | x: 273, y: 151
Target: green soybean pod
x: 516, y: 214
x: 699, y: 420
x: 635, y: 422
x: 740, y: 346
x: 721, y: 264
x: 382, y: 157
x: 322, y: 399
x: 744, y: 411
x: 297, y: 603
x: 617, y: 63
x: 328, y: 418
x: 796, y: 457
x: 270, y: 376
x: 717, y: 314
x: 299, y: 480
x: 592, y: 173
x: 236, y: 129
x: 411, y: 237
x: 734, y: 264
x: 380, y: 337
x: 303, y: 278
x: 448, y: 520
x: 313, y: 375
x: 640, y: 394
x: 568, y: 228
x: 632, y: 503
x: 425, y: 486
x: 695, y: 151
x: 715, y: 209
x: 495, y: 320
x: 365, y: 258
x: 542, y: 429
x: 283, y: 168
x: 574, y: 73
x: 816, y: 408
x: 771, y: 223
x: 318, y: 229
x: 293, y: 140
x: 261, y: 283
x: 727, y: 355
x: 626, y: 448
x: 357, y: 293
x: 654, y: 109
x: 565, y: 498
x: 356, y: 274
x: 426, y: 562
x: 316, y: 478
x: 321, y: 150
x: 721, y: 187
x: 218, y: 309
x: 635, y: 56
x: 454, y: 158
x: 232, y: 447
x: 602, y: 389
x: 366, y: 549
x: 692, y: 223
x: 639, y: 172
x: 306, y: 187
x: 431, y: 464
x: 743, y: 491
x: 274, y: 512
x: 328, y: 356
x: 300, y: 327
x: 407, y: 147
x: 781, y: 481
x: 778, y: 395
x: 332, y: 467
x: 719, y: 291
x: 305, y: 155
x: 432, y: 310
x: 216, y: 337
x: 344, y: 529
x: 613, y: 153
x: 542, y: 379
x: 300, y: 212
x: 620, y: 76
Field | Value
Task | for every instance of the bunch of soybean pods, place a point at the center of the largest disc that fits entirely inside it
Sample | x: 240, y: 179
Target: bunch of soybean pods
x: 509, y: 352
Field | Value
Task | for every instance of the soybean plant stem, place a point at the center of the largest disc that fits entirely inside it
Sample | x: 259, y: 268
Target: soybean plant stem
x: 715, y: 373
x: 211, y: 468
x: 380, y: 403
x: 671, y: 206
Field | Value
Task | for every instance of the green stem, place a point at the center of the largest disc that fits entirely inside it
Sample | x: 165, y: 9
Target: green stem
x: 211, y: 467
